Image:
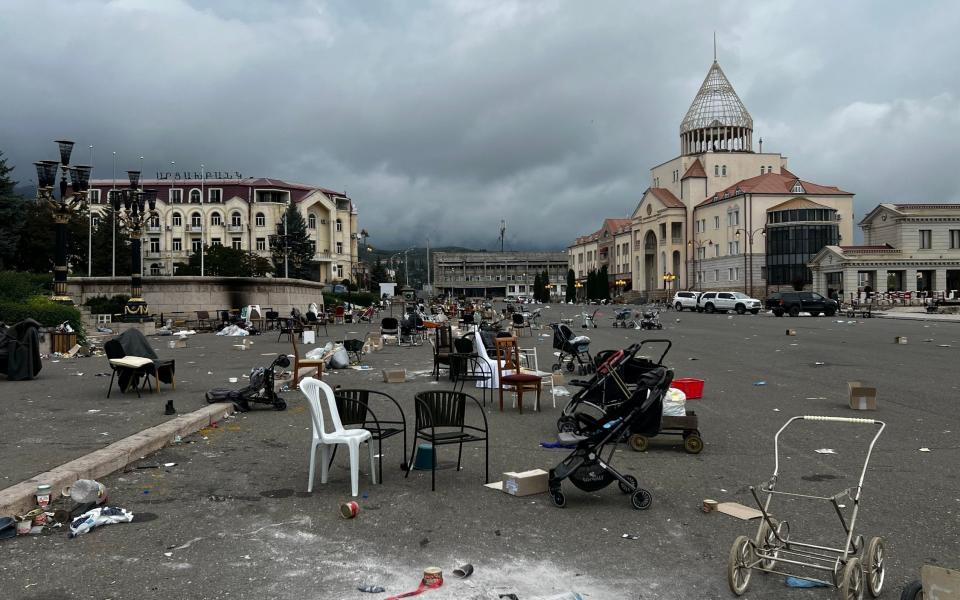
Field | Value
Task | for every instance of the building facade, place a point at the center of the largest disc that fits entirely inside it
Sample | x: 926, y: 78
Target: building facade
x: 608, y: 247
x: 907, y: 248
x: 244, y: 214
x: 720, y: 215
x: 481, y: 274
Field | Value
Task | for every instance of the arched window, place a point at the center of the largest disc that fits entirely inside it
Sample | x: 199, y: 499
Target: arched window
x: 235, y: 218
x: 155, y: 269
x: 339, y: 225
x: 194, y: 196
x: 216, y: 218
x: 154, y: 221
x: 176, y: 219
x: 716, y: 170
x: 196, y: 220
x: 312, y: 221
x: 724, y: 170
x: 261, y: 220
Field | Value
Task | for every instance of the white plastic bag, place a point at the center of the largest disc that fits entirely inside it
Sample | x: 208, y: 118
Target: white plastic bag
x: 340, y: 358
x: 104, y: 515
x: 674, y: 403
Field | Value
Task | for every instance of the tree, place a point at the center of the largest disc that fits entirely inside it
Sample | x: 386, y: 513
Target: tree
x: 545, y: 282
x: 224, y: 261
x: 603, y: 284
x: 571, y: 285
x: 292, y: 245
x: 378, y: 275
x: 12, y: 207
x: 103, y: 243
x: 536, y: 294
x: 36, y: 246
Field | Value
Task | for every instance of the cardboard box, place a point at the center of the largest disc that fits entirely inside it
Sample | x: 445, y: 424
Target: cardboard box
x: 394, y: 375
x: 791, y: 332
x: 309, y: 337
x: 525, y: 483
x: 861, y: 396
x: 177, y: 343
x: 900, y: 340
x: 557, y: 378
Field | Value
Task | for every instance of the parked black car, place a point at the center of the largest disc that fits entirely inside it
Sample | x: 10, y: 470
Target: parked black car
x: 793, y: 303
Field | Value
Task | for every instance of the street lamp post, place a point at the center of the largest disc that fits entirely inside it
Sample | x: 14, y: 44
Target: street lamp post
x: 578, y: 287
x: 695, y: 246
x: 749, y: 234
x: 63, y: 206
x: 668, y: 279
x: 134, y: 208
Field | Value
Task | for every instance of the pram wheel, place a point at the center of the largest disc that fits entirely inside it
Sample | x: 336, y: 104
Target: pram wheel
x: 738, y: 565
x: 693, y: 443
x: 851, y: 582
x: 639, y: 443
x: 874, y: 569
x: 559, y: 500
x: 566, y: 425
x: 624, y: 487
x: 570, y: 367
x: 767, y: 541
x: 280, y: 404
x: 912, y: 591
x: 641, y: 499
x: 555, y: 367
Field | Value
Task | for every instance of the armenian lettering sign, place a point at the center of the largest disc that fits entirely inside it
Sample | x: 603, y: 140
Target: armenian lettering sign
x: 197, y: 175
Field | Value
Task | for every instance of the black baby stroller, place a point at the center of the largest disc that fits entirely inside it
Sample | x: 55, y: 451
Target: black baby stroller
x: 619, y: 374
x: 651, y: 320
x: 259, y: 390
x: 588, y: 468
x: 573, y: 349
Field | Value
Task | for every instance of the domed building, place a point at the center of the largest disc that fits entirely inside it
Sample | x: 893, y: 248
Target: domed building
x: 723, y: 216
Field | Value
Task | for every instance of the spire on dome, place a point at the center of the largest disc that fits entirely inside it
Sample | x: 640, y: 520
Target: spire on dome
x: 717, y: 120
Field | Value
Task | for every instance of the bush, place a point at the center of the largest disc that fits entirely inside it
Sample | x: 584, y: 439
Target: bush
x: 43, y: 310
x: 16, y: 286
x: 101, y: 305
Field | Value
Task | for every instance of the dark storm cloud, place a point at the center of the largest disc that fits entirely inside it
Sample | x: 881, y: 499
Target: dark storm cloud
x: 442, y: 118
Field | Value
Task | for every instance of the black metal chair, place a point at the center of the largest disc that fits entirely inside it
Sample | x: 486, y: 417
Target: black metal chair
x: 390, y: 326
x: 520, y: 323
x: 317, y: 321
x: 273, y: 318
x: 354, y: 408
x: 129, y: 369
x: 441, y: 421
x: 467, y: 366
x: 290, y: 327
x: 355, y: 348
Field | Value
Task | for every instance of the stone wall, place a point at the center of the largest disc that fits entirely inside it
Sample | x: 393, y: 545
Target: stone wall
x: 189, y: 294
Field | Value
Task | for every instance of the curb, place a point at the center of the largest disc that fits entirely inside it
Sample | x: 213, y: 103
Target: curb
x: 21, y: 497
x: 918, y: 317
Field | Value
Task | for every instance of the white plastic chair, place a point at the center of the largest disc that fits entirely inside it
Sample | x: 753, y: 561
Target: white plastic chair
x: 311, y: 388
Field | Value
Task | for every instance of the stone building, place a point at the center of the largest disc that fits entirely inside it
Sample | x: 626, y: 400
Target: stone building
x: 242, y: 213
x: 721, y: 215
x: 907, y: 248
x: 481, y: 274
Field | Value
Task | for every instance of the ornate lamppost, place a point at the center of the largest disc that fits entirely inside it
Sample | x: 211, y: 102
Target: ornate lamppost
x: 748, y: 271
x: 138, y: 207
x: 63, y: 206
x: 695, y: 246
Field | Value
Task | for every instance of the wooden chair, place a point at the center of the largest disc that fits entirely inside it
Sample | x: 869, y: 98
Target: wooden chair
x: 291, y: 328
x: 299, y: 363
x: 203, y: 321
x: 509, y: 375
x: 442, y: 349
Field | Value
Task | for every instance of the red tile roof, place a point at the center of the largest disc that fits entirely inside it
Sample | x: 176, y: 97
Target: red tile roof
x: 774, y: 183
x: 667, y: 198
x: 695, y: 170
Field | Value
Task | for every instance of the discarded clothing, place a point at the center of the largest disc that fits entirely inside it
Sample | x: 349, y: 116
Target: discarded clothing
x: 105, y: 515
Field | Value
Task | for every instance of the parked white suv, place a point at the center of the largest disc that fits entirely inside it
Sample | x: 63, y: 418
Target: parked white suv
x: 682, y: 300
x: 724, y: 301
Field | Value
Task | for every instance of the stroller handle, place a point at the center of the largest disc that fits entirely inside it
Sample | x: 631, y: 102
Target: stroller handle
x: 841, y: 419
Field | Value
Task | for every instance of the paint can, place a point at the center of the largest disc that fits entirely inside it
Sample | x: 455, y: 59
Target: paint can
x: 709, y: 505
x: 432, y: 577
x: 349, y: 510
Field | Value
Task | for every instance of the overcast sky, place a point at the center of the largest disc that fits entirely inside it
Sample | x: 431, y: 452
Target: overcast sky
x: 442, y: 118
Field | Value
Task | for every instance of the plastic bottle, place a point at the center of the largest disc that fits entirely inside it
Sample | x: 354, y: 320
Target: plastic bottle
x: 86, y: 491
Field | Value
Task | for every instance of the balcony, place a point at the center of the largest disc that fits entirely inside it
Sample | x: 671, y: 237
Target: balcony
x: 154, y: 229
x: 235, y: 228
x: 194, y: 228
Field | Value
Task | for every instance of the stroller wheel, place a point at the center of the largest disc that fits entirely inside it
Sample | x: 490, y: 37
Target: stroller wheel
x: 555, y: 367
x: 566, y: 425
x: 639, y: 443
x: 280, y: 404
x: 693, y: 444
x: 641, y: 499
x: 559, y: 500
x: 631, y: 480
x: 570, y: 367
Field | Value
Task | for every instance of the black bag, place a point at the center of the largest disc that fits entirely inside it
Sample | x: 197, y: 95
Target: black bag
x: 224, y: 395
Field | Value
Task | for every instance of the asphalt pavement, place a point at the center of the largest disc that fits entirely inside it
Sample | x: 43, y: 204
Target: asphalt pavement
x: 232, y: 519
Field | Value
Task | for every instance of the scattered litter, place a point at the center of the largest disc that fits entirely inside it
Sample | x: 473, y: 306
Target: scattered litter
x: 825, y: 451
x: 776, y: 410
x: 105, y: 515
x: 938, y: 345
x: 168, y: 554
x: 372, y: 589
x: 819, y: 364
x: 627, y: 536
x: 164, y: 465
x: 560, y: 391
x: 924, y: 449
x: 81, y: 374
x: 735, y: 509
x: 94, y: 410
x: 463, y: 572
x: 816, y: 398
x: 759, y: 383
x: 796, y: 582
